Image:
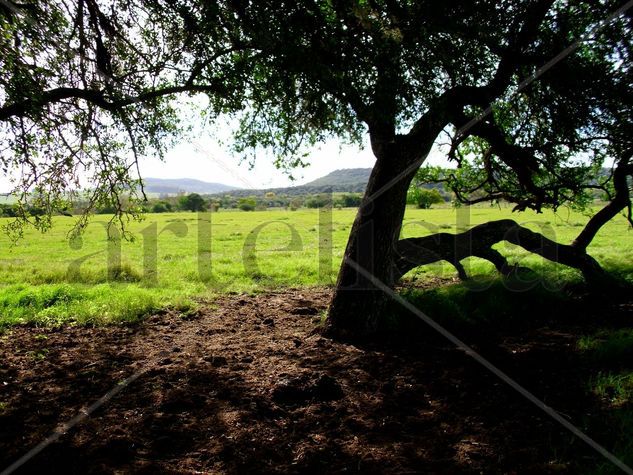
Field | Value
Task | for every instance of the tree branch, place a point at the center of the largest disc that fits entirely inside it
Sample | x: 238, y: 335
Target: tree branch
x: 96, y: 97
x: 478, y: 242
x: 619, y: 202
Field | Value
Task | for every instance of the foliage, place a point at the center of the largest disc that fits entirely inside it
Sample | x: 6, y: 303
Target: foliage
x: 295, y: 204
x: 318, y: 201
x: 348, y: 200
x: 334, y: 69
x: 7, y: 211
x: 192, y: 202
x: 610, y: 347
x: 423, y: 198
x: 247, y: 204
x: 161, y: 207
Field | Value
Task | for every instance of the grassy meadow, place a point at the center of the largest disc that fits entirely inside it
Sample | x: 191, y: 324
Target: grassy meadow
x: 175, y: 258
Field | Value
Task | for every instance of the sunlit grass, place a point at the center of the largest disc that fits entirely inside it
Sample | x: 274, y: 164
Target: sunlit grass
x: 56, y: 304
x: 86, y: 281
x: 609, y: 346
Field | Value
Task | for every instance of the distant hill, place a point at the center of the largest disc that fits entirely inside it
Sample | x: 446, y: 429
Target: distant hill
x: 352, y: 180
x: 344, y: 177
x: 174, y: 186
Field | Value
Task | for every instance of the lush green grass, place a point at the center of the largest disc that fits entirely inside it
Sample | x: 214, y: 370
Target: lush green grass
x: 613, y: 351
x: 47, y: 279
x: 56, y: 304
x: 609, y: 346
x: 484, y: 303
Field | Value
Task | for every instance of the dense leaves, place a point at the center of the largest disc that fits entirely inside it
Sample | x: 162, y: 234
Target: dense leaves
x: 88, y: 87
x: 84, y: 83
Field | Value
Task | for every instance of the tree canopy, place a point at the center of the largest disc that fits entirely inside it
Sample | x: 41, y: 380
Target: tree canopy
x: 192, y: 202
x: 534, y: 95
x: 87, y: 87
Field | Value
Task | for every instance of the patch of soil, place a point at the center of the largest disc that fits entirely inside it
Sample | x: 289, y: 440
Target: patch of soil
x: 247, y: 385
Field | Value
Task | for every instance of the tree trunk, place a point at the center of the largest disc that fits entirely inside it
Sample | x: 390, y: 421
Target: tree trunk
x: 357, y: 303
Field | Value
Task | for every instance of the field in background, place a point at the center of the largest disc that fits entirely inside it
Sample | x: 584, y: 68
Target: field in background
x: 47, y: 279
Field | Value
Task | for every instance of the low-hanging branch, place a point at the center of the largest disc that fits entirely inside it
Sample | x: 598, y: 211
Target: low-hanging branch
x: 619, y: 202
x: 478, y: 242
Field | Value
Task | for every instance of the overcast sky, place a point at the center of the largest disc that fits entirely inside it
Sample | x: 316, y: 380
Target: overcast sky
x: 201, y: 156
x: 205, y: 160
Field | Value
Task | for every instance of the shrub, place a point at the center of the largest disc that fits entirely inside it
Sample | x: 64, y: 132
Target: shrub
x: 247, y: 204
x: 424, y: 198
x: 161, y: 207
x: 192, y: 202
x: 349, y: 200
x: 318, y: 201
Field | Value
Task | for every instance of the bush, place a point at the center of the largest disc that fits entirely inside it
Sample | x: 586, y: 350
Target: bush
x: 349, y: 200
x: 106, y: 209
x: 295, y: 204
x: 424, y: 198
x: 318, y: 201
x: 7, y: 211
x: 192, y: 202
x: 161, y: 207
x: 247, y: 204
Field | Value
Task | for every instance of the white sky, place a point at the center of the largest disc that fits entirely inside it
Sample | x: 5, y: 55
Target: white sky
x: 205, y: 160
x: 208, y: 161
x: 201, y: 156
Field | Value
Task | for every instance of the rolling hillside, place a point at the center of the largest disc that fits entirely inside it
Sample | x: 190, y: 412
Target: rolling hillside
x: 344, y: 177
x: 352, y: 180
x: 174, y: 186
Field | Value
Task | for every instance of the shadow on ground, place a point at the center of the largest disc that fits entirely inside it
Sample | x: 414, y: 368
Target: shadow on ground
x: 247, y: 386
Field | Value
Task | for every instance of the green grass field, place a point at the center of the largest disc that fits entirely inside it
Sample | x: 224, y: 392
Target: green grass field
x: 176, y: 259
x: 46, y: 279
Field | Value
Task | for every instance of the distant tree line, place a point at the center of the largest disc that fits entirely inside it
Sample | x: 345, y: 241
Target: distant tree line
x: 196, y: 202
x: 421, y: 194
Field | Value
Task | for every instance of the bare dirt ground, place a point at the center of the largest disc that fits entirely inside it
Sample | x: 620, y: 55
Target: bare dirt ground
x: 247, y: 385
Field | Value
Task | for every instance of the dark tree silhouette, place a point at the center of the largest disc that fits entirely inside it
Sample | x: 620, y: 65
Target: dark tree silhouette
x: 296, y: 73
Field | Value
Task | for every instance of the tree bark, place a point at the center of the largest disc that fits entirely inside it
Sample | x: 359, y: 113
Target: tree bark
x: 357, y: 304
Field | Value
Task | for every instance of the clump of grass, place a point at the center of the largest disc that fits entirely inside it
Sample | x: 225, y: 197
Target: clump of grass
x: 615, y: 388
x: 124, y: 273
x: 609, y: 346
x: 485, y: 302
x: 55, y: 305
x: 40, y: 354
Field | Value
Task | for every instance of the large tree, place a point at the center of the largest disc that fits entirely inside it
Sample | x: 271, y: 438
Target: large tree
x: 84, y: 81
